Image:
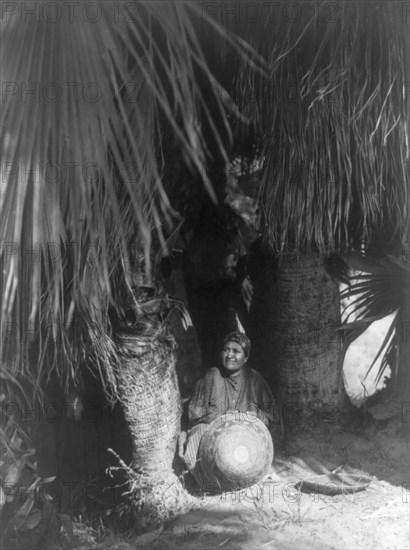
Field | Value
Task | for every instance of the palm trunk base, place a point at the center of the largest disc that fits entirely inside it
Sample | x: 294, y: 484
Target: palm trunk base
x: 149, y: 392
x: 150, y: 501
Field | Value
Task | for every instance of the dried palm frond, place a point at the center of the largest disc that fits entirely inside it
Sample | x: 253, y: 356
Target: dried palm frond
x: 332, y: 120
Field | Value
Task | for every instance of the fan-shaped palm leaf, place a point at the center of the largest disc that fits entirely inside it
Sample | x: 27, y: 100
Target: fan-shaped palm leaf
x: 380, y: 290
x: 87, y: 93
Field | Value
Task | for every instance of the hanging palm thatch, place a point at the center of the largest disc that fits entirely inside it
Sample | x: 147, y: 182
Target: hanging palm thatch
x: 331, y: 120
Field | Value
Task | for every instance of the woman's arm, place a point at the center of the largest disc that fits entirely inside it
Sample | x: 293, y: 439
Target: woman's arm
x: 199, y: 410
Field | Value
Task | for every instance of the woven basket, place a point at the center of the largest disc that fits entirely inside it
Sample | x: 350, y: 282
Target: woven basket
x: 148, y: 388
x: 235, y: 452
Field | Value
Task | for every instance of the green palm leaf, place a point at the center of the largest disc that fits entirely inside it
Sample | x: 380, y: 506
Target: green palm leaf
x: 379, y: 291
x: 86, y: 99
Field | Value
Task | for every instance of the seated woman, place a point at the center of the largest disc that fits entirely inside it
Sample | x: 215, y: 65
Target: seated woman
x: 230, y: 387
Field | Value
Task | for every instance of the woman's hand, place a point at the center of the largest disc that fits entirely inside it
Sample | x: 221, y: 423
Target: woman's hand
x: 251, y: 416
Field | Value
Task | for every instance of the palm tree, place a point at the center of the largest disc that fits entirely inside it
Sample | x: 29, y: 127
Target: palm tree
x: 88, y: 98
x: 332, y: 135
x: 89, y: 102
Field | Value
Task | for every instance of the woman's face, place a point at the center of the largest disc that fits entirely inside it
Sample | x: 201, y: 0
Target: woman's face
x: 233, y: 357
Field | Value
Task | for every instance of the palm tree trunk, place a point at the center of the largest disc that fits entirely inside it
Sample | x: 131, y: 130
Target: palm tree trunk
x: 307, y: 345
x: 148, y: 390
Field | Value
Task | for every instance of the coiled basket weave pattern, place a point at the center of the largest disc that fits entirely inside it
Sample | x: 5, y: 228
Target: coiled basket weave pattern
x: 235, y: 452
x: 148, y: 386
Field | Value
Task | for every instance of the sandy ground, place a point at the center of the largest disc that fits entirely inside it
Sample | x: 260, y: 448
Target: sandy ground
x: 275, y: 514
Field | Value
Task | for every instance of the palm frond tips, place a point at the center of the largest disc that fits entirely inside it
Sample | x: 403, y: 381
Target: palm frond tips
x: 333, y: 125
x: 86, y: 98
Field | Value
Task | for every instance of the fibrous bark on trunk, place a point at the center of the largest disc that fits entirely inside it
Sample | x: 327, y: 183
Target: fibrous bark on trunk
x: 148, y: 390
x: 307, y: 343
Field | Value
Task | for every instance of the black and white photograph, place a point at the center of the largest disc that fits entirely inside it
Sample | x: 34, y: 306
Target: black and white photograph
x: 205, y: 272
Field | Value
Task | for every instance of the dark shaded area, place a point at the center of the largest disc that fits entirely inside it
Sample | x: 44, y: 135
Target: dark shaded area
x: 72, y: 436
x: 214, y: 265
